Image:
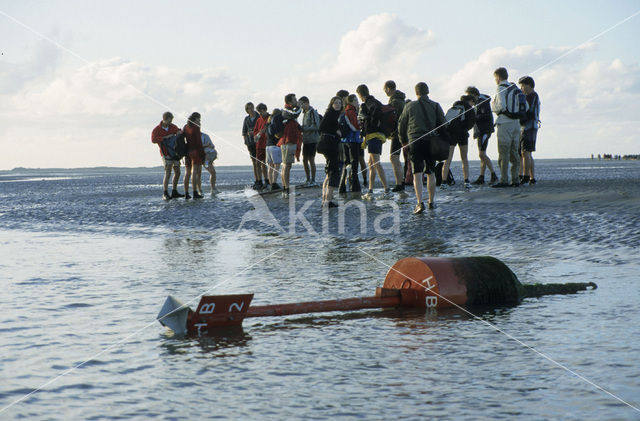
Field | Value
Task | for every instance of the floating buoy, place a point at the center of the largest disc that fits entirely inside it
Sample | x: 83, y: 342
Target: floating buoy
x: 418, y: 282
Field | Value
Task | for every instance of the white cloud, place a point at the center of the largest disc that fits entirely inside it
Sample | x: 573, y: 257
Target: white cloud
x: 92, y: 115
x: 382, y: 47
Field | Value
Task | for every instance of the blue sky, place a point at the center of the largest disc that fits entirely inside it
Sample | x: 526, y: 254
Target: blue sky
x: 214, y: 56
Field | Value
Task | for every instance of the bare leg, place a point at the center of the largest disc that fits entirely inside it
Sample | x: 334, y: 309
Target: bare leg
x: 165, y: 179
x: 447, y: 163
x: 372, y: 174
x: 197, y: 178
x: 285, y: 175
x: 397, y: 169
x: 187, y: 178
x: 312, y: 167
x: 417, y: 186
x: 264, y: 171
x: 379, y: 170
x: 465, y: 162
x: 307, y: 170
x: 431, y: 186
x: 176, y: 176
x: 212, y: 176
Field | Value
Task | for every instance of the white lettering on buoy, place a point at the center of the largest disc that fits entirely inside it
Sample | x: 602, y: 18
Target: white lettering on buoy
x: 428, y: 282
x: 207, y: 308
x: 431, y: 301
x: 199, y: 326
x: 236, y: 306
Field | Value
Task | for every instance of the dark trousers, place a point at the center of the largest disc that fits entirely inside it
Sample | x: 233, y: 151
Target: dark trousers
x: 350, y: 156
x: 329, y: 146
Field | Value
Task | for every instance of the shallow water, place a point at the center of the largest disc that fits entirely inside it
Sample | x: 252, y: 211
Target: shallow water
x: 88, y: 257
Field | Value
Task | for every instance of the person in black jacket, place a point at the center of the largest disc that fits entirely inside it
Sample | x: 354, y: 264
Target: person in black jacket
x: 370, y: 114
x: 482, y: 131
x: 459, y: 132
x: 329, y: 146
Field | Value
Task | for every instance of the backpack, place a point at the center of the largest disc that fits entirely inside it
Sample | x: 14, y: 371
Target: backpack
x: 516, y: 106
x: 343, y: 125
x: 438, y: 173
x: 176, y: 146
x: 276, y: 127
x: 388, y: 120
x: 455, y: 116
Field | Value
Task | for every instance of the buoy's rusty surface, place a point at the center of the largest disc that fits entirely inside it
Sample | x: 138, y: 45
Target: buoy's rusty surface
x: 456, y: 281
x: 420, y: 282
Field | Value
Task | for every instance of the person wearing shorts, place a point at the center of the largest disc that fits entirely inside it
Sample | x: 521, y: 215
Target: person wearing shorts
x: 210, y: 155
x: 291, y: 140
x: 459, y: 132
x: 162, y: 130
x: 529, y: 129
x: 397, y: 101
x: 195, y: 156
x: 369, y: 114
x: 482, y: 132
x: 274, y: 153
x: 414, y: 125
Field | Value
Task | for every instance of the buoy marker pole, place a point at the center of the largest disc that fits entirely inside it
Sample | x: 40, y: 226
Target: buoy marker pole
x: 215, y: 311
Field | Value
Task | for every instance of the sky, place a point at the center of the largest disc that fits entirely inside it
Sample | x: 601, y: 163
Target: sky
x: 82, y: 84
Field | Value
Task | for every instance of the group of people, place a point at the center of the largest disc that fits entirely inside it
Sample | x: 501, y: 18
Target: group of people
x: 200, y: 152
x: 355, y: 122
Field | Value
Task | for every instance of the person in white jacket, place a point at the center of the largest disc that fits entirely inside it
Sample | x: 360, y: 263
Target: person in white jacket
x: 210, y: 155
x: 508, y: 133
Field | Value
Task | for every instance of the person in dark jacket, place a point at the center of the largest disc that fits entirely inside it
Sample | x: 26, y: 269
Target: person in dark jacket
x: 529, y: 129
x: 329, y: 146
x: 459, y: 132
x: 247, y: 133
x: 482, y: 131
x: 195, y: 156
x: 370, y: 116
x: 397, y: 101
x: 419, y: 123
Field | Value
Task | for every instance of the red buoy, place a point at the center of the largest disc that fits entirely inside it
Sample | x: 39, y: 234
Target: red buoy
x: 456, y: 281
x: 421, y: 282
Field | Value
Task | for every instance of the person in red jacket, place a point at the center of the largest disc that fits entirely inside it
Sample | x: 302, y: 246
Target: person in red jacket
x: 291, y: 140
x: 260, y: 136
x: 195, y: 156
x: 164, y: 129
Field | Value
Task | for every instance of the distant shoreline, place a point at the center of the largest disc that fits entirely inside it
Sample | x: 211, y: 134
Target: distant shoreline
x: 248, y: 167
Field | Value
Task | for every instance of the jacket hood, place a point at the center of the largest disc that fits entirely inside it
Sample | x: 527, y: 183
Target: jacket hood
x: 398, y: 95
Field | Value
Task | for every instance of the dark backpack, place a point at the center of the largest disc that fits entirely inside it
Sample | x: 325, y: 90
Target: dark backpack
x: 176, y: 146
x: 388, y: 120
x: 516, y: 106
x: 455, y: 117
x: 276, y: 126
x: 450, y: 180
x: 343, y: 125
